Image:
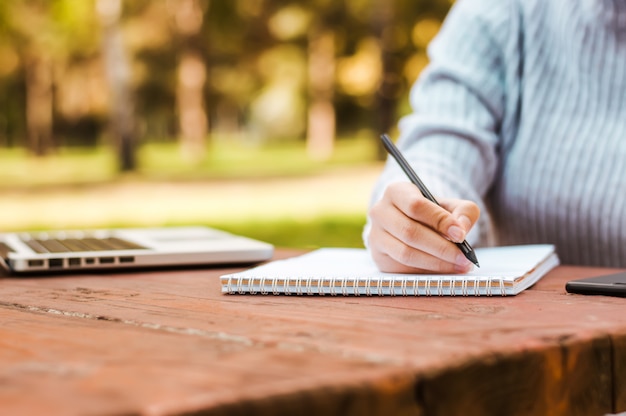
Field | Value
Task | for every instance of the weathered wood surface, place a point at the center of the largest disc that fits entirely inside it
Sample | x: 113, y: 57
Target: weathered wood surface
x: 171, y: 343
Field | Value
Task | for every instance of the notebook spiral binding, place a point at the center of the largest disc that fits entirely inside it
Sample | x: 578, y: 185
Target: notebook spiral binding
x: 398, y: 285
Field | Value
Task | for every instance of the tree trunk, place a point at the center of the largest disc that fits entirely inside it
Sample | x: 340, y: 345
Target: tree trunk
x: 389, y: 88
x: 190, y: 99
x: 321, y: 114
x: 118, y: 75
x: 192, y: 74
x: 39, y: 101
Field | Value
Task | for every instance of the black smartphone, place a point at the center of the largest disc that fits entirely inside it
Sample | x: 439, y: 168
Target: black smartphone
x: 608, y: 285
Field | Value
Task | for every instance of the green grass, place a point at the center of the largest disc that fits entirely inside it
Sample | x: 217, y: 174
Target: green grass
x: 224, y: 159
x: 227, y: 159
x: 341, y: 231
x: 53, y: 192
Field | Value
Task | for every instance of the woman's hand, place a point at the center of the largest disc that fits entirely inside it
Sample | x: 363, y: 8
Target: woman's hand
x: 411, y: 234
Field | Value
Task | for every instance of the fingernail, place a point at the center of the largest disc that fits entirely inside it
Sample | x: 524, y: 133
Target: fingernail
x: 464, y: 221
x: 463, y: 265
x: 456, y: 233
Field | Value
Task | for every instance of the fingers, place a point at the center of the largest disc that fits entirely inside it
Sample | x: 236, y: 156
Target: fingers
x: 410, y: 234
x: 393, y: 256
x: 465, y: 212
x: 409, y: 201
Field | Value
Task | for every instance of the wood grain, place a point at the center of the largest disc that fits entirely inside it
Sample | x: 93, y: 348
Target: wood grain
x: 169, y: 342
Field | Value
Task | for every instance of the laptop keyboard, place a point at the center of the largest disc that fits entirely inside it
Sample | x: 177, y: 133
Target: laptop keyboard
x: 70, y: 245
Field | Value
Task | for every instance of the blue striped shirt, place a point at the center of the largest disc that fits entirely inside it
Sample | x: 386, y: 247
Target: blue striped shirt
x: 522, y: 109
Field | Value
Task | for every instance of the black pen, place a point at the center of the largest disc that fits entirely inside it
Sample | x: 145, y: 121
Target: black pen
x: 467, y: 250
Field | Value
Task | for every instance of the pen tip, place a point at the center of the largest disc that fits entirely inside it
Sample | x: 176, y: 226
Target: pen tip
x: 471, y: 256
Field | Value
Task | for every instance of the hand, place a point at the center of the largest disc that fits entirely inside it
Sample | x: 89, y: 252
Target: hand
x: 411, y: 234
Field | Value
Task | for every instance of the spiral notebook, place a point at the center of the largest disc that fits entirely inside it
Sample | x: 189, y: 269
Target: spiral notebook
x: 506, y: 270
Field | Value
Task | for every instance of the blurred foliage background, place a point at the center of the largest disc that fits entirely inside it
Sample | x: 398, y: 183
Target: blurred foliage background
x: 257, y: 116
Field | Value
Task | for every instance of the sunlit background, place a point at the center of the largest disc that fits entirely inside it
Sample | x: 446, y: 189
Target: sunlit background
x: 256, y: 116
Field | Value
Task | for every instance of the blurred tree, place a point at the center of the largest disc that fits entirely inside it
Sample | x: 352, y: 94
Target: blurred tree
x: 277, y: 107
x: 388, y: 88
x: 118, y: 73
x: 79, y: 87
x: 36, y: 63
x: 321, y: 115
x: 45, y: 36
x: 265, y: 69
x: 11, y: 80
x: 321, y: 123
x: 403, y: 39
x: 191, y: 76
x: 359, y: 68
x: 232, y: 53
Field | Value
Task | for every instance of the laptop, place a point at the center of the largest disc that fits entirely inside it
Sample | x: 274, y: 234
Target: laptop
x: 110, y: 249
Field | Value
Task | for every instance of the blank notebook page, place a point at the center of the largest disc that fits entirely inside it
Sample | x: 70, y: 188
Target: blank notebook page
x: 504, y: 270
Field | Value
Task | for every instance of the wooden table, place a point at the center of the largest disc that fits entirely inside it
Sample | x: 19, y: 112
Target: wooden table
x: 168, y: 342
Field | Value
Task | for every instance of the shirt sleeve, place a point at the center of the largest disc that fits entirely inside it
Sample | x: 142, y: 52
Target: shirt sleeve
x: 452, y: 136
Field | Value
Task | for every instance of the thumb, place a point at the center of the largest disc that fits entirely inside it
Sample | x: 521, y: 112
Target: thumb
x: 465, y: 214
